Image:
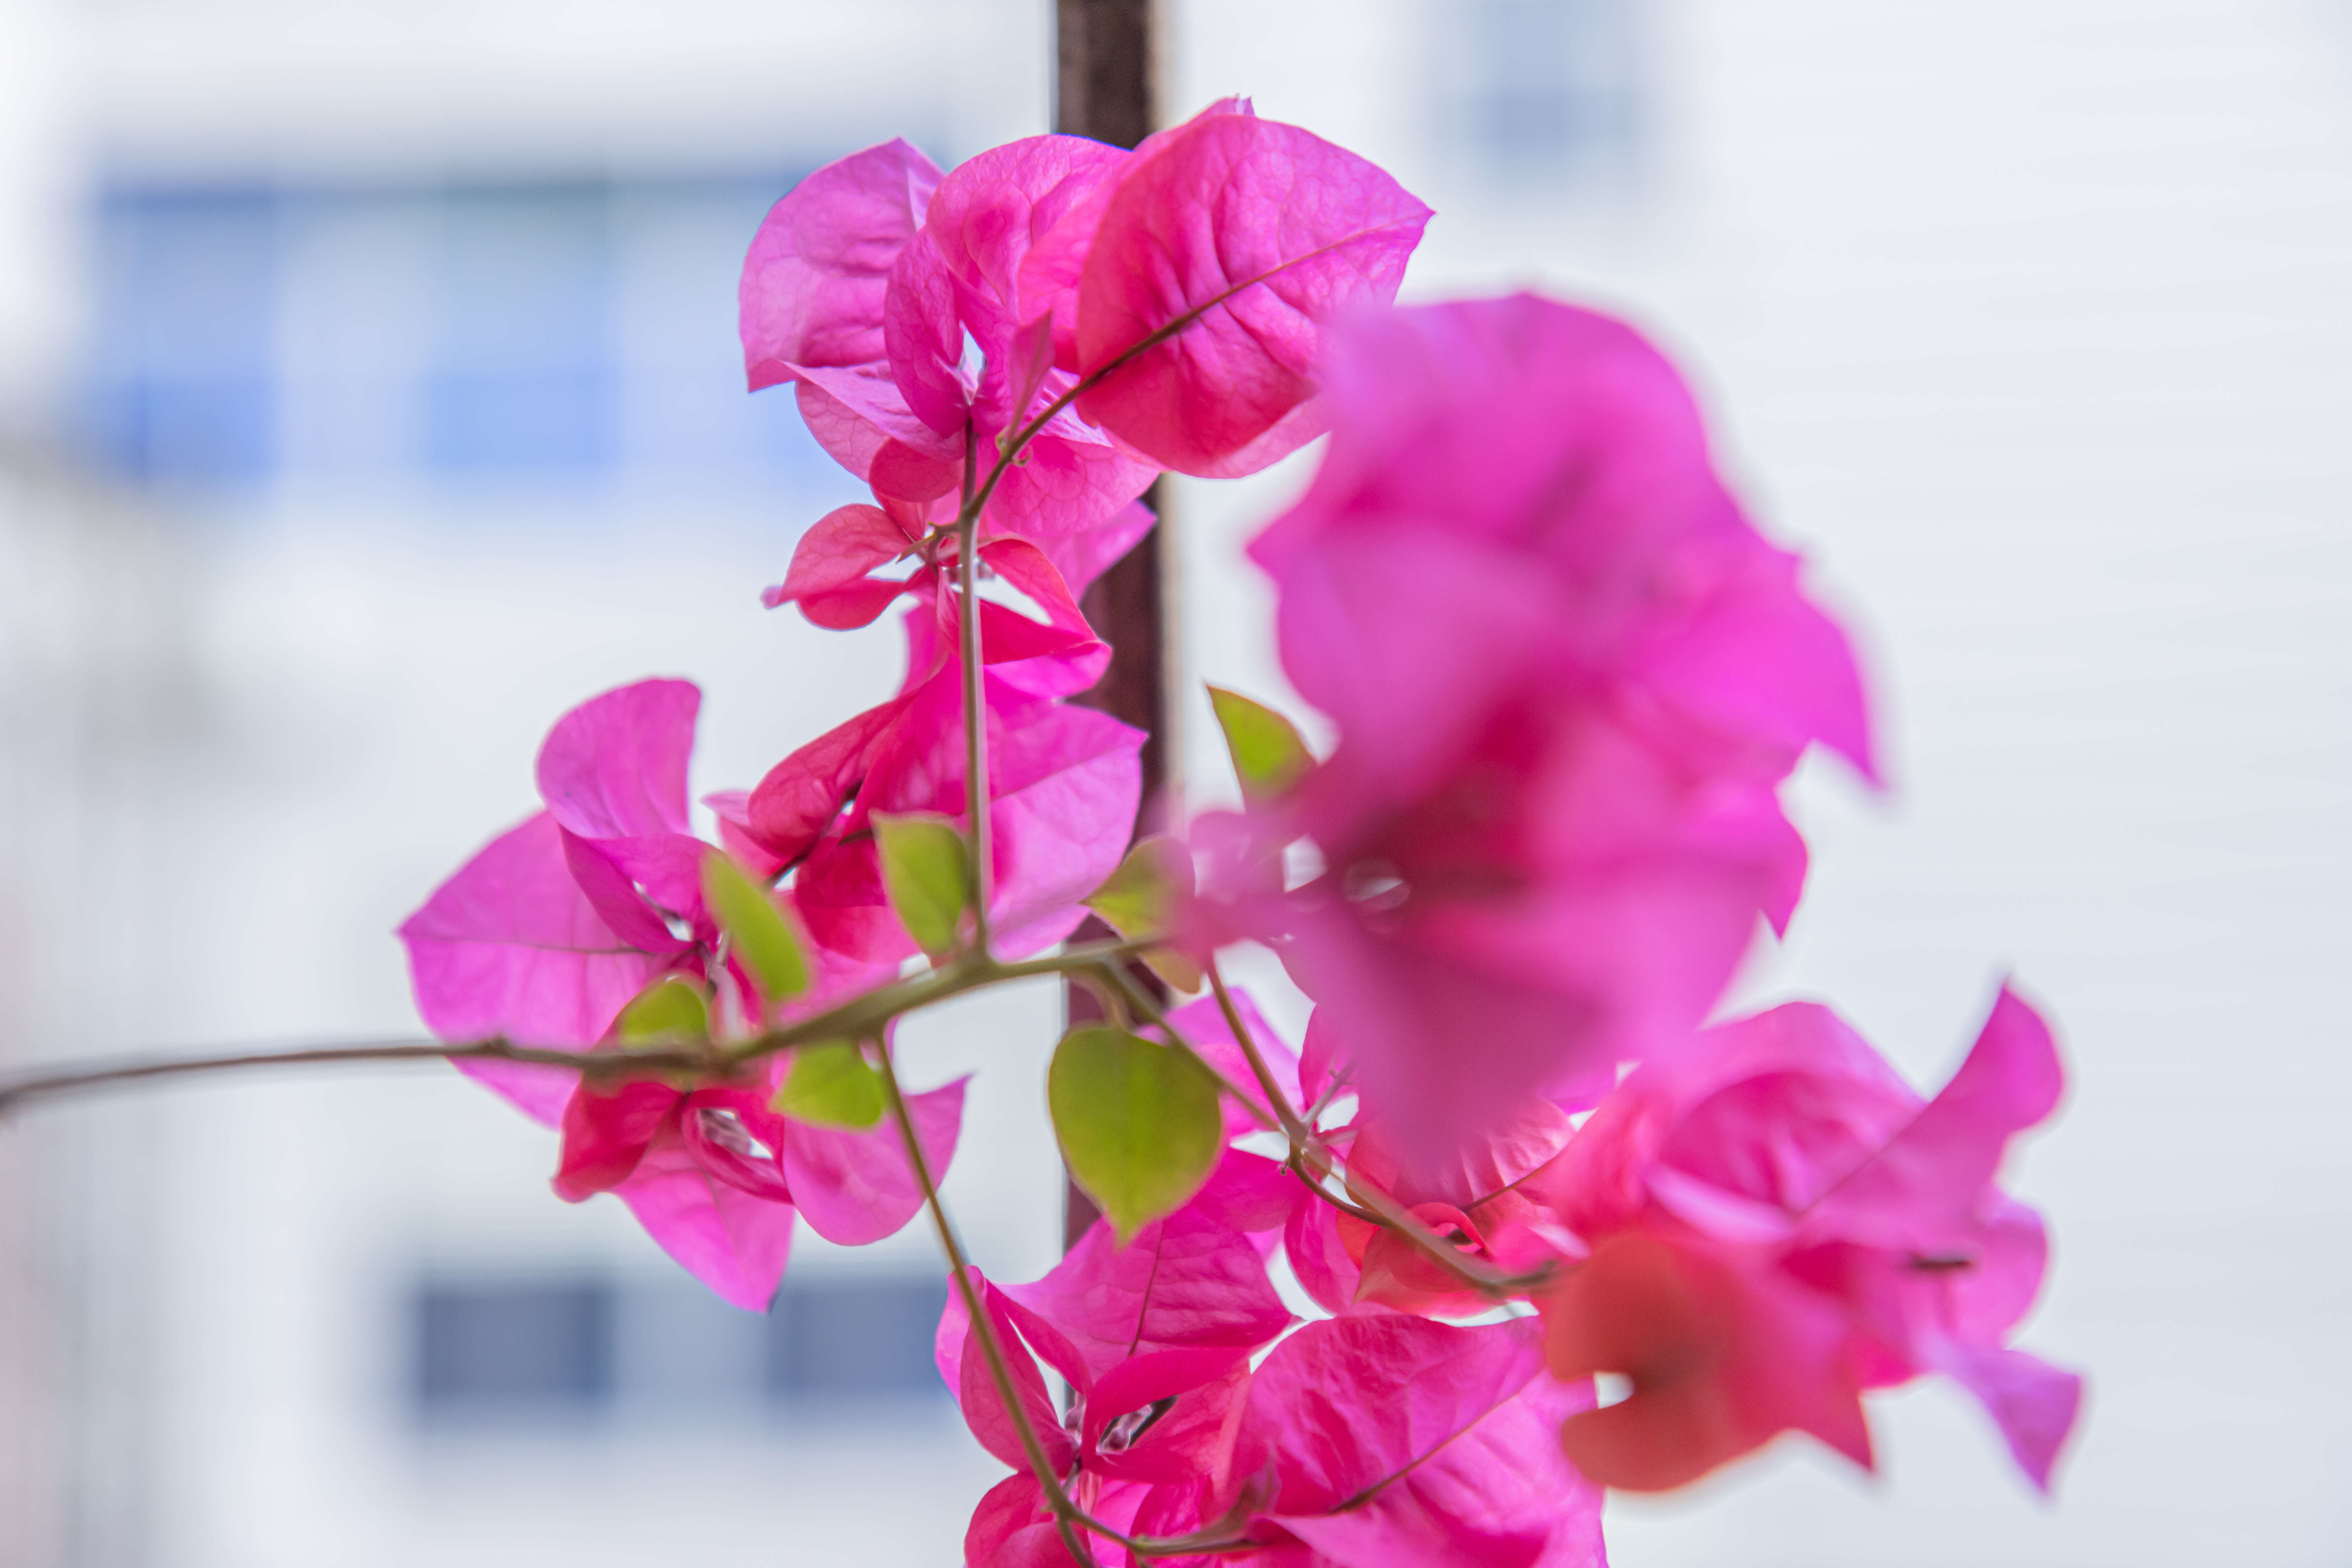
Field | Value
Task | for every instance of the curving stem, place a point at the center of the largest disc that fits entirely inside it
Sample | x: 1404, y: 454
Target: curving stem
x: 976, y: 797
x: 983, y: 1327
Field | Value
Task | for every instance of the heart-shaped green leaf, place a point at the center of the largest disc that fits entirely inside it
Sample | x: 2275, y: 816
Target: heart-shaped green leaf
x: 672, y: 1008
x: 831, y: 1085
x: 1138, y: 1123
x: 928, y: 876
x: 1268, y: 755
x: 755, y: 927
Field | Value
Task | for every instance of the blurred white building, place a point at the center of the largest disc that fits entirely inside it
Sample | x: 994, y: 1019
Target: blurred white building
x: 381, y: 367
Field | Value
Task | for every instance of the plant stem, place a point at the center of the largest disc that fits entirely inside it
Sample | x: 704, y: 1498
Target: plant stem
x: 977, y: 801
x: 1296, y: 1131
x: 854, y: 1019
x: 1308, y: 1163
x: 983, y: 1327
x: 588, y: 1064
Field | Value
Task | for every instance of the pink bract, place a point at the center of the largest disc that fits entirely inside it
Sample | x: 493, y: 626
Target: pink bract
x: 1191, y: 1281
x: 1565, y: 457
x: 1778, y: 1223
x: 545, y: 935
x: 1226, y: 247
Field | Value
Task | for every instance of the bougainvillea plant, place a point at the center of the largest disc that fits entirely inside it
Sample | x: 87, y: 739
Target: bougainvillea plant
x: 1515, y: 1158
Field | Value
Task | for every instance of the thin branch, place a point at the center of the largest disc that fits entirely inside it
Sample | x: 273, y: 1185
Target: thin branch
x: 593, y: 1064
x: 1308, y: 1161
x: 1296, y: 1131
x: 1147, y: 1007
x: 1480, y: 1276
x: 854, y: 1019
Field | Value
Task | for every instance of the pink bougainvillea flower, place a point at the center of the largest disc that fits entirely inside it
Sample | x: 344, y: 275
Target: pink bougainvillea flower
x: 1777, y: 1223
x: 863, y: 287
x: 1158, y: 1416
x: 715, y: 1175
x: 1567, y: 676
x: 1154, y: 1339
x: 1372, y: 1441
x: 926, y: 318
x: 543, y: 938
x: 1064, y: 783
x: 1593, y: 477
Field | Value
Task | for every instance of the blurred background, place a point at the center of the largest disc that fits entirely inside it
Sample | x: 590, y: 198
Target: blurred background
x: 368, y: 394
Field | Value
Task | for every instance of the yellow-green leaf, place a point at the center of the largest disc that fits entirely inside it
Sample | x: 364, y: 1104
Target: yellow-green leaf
x: 672, y: 1008
x: 831, y: 1085
x: 1138, y: 1122
x: 755, y: 927
x: 928, y: 876
x: 1268, y: 755
x: 1138, y: 901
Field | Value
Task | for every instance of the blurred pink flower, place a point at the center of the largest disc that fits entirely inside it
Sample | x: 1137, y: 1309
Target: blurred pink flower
x: 1777, y: 1223
x: 1567, y: 676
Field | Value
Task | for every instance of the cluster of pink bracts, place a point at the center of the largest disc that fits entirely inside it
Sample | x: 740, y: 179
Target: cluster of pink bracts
x: 1567, y: 679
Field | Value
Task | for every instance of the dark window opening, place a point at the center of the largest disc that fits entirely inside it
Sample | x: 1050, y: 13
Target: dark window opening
x: 490, y: 1347
x: 854, y: 1337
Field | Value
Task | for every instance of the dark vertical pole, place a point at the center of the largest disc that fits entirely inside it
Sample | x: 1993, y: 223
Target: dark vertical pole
x: 1103, y: 88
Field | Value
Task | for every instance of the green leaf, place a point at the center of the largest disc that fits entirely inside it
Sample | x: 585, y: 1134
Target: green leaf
x: 1138, y: 1123
x: 1138, y: 901
x: 755, y: 927
x: 833, y: 1086
x: 927, y: 874
x: 1268, y: 755
x: 671, y: 1008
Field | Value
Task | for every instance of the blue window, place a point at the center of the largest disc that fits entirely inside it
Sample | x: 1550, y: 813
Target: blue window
x: 522, y: 380
x: 553, y: 333
x: 181, y: 385
x: 1545, y: 90
x: 492, y: 1350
